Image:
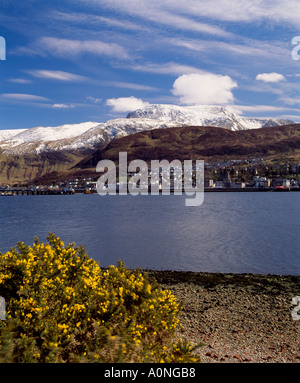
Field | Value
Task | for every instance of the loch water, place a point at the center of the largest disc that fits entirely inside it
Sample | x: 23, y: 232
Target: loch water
x: 229, y: 233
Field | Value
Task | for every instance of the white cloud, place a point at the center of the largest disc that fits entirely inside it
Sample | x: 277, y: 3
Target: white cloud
x: 266, y: 111
x: 126, y: 104
x: 270, y: 77
x: 94, y: 20
x: 20, y: 81
x: 94, y: 100
x: 62, y: 106
x: 240, y: 109
x: 293, y: 117
x: 170, y: 68
x: 169, y: 12
x: 165, y: 13
x: 245, y: 47
x: 129, y: 85
x: 206, y: 88
x: 67, y: 48
x: 243, y: 10
x: 185, y: 23
x: 290, y: 100
x: 56, y: 75
x: 23, y: 97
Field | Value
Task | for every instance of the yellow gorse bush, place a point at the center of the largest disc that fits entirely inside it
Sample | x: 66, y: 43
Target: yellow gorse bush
x: 62, y: 307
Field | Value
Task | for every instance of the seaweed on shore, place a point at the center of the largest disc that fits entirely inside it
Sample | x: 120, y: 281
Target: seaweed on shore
x: 272, y: 284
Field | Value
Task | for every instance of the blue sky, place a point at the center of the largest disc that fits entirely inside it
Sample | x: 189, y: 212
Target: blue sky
x: 73, y: 61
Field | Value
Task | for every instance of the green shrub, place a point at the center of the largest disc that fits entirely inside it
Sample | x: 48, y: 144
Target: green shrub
x: 62, y: 307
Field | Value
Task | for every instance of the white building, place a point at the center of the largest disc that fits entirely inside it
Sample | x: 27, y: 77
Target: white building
x: 261, y: 182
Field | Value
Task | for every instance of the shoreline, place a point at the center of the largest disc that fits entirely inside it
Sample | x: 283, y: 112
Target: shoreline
x: 24, y: 191
x: 203, y: 277
x: 238, y: 317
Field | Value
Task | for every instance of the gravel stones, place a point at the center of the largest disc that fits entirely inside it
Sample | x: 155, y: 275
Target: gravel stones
x: 240, y: 318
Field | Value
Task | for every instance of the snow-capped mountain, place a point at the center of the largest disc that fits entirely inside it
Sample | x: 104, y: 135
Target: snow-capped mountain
x: 21, y: 141
x: 204, y: 115
x: 83, y: 136
x: 90, y: 135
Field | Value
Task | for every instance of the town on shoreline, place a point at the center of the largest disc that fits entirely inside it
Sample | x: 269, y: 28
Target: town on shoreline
x: 232, y: 175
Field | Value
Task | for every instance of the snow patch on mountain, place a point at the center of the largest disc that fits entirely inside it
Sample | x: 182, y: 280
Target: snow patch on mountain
x: 9, y: 133
x: 53, y: 133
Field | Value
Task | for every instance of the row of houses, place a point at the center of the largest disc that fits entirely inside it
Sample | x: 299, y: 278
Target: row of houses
x: 258, y: 183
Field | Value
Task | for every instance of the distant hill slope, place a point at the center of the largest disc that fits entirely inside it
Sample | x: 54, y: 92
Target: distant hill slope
x: 24, y: 168
x: 207, y: 143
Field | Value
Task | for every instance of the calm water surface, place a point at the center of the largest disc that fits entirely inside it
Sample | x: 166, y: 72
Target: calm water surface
x: 230, y: 232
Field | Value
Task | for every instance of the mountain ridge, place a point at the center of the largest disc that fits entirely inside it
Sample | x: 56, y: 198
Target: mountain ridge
x: 28, y: 154
x: 91, y: 135
x: 204, y: 115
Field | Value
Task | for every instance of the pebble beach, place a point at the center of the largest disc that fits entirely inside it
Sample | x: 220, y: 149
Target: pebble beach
x: 237, y: 318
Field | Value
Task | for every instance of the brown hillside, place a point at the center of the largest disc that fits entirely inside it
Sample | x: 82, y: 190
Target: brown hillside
x: 207, y: 143
x: 19, y: 169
